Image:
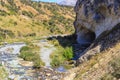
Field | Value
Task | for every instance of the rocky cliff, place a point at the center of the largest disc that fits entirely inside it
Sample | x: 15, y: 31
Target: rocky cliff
x: 93, y: 17
x: 97, y: 24
x: 100, y: 61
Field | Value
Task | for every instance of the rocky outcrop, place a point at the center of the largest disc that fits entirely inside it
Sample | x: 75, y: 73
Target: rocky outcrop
x: 101, y: 44
x: 93, y: 17
x: 98, y: 24
x: 91, y: 67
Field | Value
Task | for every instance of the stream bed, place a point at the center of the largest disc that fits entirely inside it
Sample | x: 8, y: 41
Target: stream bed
x: 16, y: 67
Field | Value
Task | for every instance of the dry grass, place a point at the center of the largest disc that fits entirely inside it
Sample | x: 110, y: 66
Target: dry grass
x: 97, y: 66
x: 40, y: 19
x: 3, y: 73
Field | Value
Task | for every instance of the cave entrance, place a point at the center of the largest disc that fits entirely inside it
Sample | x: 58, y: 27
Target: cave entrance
x: 85, y: 36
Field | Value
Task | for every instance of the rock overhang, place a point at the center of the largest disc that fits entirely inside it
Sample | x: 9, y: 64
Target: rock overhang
x: 93, y: 17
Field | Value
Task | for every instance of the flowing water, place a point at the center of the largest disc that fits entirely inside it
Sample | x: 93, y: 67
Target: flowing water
x: 46, y: 49
x: 17, y: 68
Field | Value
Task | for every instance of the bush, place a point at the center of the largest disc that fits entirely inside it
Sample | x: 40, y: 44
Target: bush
x: 12, y: 7
x: 4, y: 33
x: 56, y: 61
x: 3, y: 13
x: 31, y: 53
x: 28, y: 56
x: 29, y: 14
x: 30, y: 35
x: 68, y: 53
x: 60, y: 56
x: 25, y: 48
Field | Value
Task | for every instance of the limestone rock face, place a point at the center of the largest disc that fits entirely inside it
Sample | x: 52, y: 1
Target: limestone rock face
x: 93, y: 17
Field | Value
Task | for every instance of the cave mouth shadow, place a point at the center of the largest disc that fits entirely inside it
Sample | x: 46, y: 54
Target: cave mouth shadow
x: 71, y: 41
x: 107, y: 40
x: 65, y: 41
x: 86, y: 37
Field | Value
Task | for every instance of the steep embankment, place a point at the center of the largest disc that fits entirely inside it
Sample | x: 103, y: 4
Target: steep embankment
x: 99, y: 59
x: 98, y: 24
x: 25, y: 18
x: 97, y: 20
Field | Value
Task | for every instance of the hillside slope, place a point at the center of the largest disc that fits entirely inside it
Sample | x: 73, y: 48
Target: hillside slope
x: 101, y: 59
x: 24, y: 18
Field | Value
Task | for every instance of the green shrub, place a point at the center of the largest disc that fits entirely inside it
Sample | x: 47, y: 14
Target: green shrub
x: 29, y: 14
x: 28, y: 56
x: 30, y: 35
x: 25, y: 48
x: 31, y: 53
x: 4, y: 33
x: 3, y: 13
x: 56, y: 62
x: 12, y: 7
x: 61, y: 55
x: 68, y: 53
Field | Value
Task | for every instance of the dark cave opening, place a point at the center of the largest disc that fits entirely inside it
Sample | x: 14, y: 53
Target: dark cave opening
x: 85, y: 37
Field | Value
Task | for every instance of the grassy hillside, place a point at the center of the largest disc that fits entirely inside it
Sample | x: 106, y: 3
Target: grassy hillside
x: 24, y: 18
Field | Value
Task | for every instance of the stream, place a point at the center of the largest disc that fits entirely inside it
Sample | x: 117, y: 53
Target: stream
x: 17, y: 68
x: 45, y: 50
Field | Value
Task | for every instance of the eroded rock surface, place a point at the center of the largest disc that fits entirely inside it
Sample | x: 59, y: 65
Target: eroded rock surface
x: 93, y: 17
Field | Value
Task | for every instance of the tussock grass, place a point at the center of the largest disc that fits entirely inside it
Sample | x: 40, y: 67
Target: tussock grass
x: 62, y: 55
x: 102, y: 61
x: 3, y: 73
x: 31, y: 53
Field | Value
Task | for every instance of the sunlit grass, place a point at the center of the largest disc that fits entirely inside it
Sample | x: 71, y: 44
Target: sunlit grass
x: 31, y: 53
x: 3, y: 73
x: 106, y: 55
x: 61, y: 55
